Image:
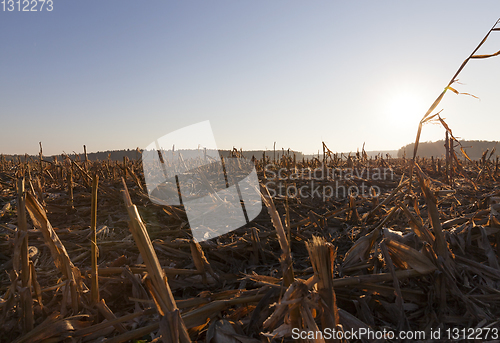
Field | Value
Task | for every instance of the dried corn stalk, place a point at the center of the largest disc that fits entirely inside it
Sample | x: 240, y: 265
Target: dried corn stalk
x: 160, y: 289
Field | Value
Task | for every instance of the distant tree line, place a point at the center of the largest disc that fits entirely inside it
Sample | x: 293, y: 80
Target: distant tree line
x: 136, y: 154
x: 474, y: 149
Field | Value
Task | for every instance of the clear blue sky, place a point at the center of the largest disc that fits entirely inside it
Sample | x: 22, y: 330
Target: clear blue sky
x: 119, y: 74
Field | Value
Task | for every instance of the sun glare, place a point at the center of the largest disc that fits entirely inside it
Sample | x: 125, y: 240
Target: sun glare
x: 404, y: 109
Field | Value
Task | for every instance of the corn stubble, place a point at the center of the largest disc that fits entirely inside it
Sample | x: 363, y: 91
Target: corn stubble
x: 89, y: 261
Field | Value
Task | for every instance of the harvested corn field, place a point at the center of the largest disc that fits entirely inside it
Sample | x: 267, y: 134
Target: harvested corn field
x: 87, y: 257
x: 184, y: 242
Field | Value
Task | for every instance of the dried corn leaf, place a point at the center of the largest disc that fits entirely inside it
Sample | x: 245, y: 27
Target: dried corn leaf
x: 409, y: 257
x: 361, y: 249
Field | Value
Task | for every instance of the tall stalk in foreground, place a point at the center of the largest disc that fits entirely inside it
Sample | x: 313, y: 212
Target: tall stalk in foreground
x: 427, y: 117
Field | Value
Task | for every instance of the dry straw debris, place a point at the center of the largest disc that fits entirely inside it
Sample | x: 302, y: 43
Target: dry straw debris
x: 87, y: 257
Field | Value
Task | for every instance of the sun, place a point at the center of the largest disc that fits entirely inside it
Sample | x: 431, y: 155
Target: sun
x: 405, y: 108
